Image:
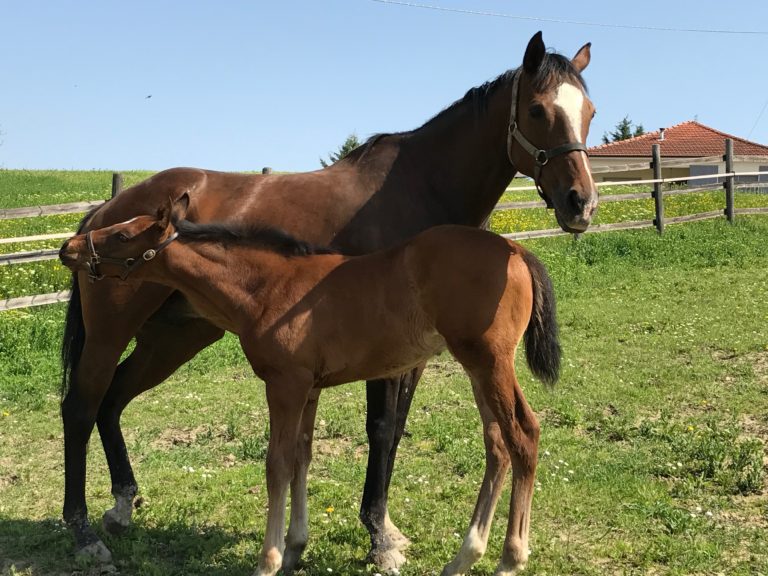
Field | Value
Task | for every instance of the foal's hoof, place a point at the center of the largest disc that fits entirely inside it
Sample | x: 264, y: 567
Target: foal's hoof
x: 95, y: 551
x: 387, y: 561
x: 113, y: 523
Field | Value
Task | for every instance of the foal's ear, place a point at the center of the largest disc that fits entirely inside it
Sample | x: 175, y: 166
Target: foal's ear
x: 581, y: 60
x: 164, y: 214
x: 534, y: 54
x: 180, y: 208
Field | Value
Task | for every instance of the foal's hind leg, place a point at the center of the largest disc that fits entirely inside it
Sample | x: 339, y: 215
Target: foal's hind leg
x: 520, y: 430
x: 496, y: 468
x: 166, y: 341
x: 388, y: 403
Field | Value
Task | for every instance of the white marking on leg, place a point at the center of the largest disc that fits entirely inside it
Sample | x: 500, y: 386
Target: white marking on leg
x: 122, y: 510
x: 472, y: 549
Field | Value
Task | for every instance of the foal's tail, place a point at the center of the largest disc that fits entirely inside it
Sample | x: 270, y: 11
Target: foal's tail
x: 542, y: 344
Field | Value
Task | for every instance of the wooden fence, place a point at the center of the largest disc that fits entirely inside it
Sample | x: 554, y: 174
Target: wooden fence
x: 657, y: 194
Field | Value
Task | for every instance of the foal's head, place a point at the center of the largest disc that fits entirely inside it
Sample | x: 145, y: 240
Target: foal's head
x: 118, y: 250
x: 552, y: 113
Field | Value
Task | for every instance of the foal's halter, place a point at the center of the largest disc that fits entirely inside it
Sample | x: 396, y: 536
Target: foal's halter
x: 541, y: 157
x: 129, y: 264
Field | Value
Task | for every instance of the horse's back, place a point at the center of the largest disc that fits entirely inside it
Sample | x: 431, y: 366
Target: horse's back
x: 311, y: 205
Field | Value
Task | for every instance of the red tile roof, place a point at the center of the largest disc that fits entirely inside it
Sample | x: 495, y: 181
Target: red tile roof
x: 687, y: 139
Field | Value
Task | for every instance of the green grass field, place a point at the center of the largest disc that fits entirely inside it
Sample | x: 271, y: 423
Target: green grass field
x: 652, y: 458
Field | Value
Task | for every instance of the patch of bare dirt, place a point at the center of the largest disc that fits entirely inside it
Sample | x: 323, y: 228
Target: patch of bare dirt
x: 185, y: 436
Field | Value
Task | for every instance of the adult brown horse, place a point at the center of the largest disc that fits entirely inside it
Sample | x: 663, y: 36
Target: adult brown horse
x: 308, y: 321
x: 451, y: 170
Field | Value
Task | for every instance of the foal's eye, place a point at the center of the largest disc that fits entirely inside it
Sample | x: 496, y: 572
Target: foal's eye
x: 536, y: 111
x: 122, y: 237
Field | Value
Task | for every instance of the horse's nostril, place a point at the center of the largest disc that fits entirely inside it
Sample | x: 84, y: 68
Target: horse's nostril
x: 576, y: 201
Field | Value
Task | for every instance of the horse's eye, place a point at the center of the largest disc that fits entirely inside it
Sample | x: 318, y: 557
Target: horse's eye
x: 122, y: 237
x: 536, y: 111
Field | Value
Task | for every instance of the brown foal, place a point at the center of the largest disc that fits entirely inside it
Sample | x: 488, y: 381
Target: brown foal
x: 309, y: 320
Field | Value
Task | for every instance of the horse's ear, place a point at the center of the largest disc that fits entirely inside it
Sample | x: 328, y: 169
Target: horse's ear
x: 581, y: 60
x: 534, y: 54
x: 180, y: 207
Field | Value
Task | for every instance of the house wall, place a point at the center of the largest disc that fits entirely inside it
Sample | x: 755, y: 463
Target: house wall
x: 667, y: 172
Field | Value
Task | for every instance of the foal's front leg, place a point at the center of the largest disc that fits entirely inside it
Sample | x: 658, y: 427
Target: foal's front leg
x: 287, y: 394
x: 298, y: 529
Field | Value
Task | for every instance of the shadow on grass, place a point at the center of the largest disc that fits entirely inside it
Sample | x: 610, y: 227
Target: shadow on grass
x: 45, y: 548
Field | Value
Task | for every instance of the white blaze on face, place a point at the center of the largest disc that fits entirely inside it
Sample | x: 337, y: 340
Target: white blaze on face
x: 569, y: 99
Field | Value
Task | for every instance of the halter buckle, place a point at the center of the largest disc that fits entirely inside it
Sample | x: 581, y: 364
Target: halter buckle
x: 541, y: 157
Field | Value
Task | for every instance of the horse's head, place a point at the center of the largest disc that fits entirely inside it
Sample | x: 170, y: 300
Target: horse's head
x: 118, y: 250
x: 549, y: 123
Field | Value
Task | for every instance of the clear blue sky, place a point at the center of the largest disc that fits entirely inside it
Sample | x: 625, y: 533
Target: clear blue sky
x: 238, y: 85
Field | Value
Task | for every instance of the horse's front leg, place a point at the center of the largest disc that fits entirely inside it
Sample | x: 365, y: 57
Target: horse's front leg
x: 388, y: 405
x: 287, y: 395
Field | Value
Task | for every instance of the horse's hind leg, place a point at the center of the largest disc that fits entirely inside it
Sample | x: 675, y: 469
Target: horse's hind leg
x: 167, y: 340
x: 388, y: 403
x: 496, y: 468
x: 107, y: 330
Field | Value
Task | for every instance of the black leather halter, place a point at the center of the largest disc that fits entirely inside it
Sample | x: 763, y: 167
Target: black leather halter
x: 540, y: 156
x: 129, y: 264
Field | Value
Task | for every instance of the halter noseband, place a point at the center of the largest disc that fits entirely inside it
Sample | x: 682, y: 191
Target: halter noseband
x: 541, y: 157
x: 129, y: 264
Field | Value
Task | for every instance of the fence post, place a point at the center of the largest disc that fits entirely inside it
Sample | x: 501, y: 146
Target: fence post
x: 117, y: 183
x: 658, y: 197
x: 728, y: 184
x: 266, y: 170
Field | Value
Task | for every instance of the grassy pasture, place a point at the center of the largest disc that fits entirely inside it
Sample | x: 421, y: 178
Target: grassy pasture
x: 653, y: 448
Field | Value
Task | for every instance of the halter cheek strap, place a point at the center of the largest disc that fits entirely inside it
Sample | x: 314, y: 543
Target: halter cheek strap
x: 540, y: 156
x: 129, y: 264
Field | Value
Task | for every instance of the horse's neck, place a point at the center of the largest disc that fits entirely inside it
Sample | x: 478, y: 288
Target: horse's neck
x: 464, y: 153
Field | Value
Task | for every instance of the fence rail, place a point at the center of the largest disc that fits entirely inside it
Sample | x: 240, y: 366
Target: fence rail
x: 657, y: 194
x: 52, y: 210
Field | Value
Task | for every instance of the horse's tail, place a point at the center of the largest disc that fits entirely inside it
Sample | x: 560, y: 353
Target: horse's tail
x: 542, y: 343
x: 74, y: 337
x: 74, y: 327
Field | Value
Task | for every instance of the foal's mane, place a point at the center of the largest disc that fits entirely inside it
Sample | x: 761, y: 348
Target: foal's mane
x: 256, y: 235
x: 553, y: 70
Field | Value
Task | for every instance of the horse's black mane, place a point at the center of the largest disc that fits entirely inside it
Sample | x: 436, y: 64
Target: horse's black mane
x: 256, y: 235
x: 554, y: 69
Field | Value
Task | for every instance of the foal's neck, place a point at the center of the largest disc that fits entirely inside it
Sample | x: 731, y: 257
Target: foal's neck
x: 219, y: 283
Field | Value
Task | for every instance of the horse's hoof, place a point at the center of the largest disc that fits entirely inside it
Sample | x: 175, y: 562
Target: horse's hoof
x: 113, y: 524
x: 95, y: 551
x: 387, y: 561
x: 399, y: 540
x: 393, y: 535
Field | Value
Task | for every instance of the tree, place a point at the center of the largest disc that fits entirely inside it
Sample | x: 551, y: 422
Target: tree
x: 349, y: 144
x: 624, y: 130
